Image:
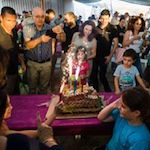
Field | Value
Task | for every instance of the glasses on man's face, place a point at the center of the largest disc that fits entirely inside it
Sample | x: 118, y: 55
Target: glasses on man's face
x: 39, y: 17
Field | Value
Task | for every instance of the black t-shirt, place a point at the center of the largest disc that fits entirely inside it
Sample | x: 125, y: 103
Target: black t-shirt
x: 121, y: 32
x: 69, y: 33
x: 104, y: 40
x: 9, y: 43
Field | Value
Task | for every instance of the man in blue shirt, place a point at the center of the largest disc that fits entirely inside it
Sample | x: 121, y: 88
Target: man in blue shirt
x: 38, y: 40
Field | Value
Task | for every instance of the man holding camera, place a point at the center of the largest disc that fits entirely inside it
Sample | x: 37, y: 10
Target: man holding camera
x: 38, y: 40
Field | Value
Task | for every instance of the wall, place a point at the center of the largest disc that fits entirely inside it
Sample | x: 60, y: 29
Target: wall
x: 68, y: 5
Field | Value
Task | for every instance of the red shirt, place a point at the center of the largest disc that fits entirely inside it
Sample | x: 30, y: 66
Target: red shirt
x: 84, y: 67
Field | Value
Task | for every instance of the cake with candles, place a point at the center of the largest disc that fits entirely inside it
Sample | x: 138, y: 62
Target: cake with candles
x: 80, y: 98
x: 75, y: 93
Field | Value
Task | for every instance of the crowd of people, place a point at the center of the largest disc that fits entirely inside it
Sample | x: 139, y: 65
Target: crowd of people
x: 32, y: 46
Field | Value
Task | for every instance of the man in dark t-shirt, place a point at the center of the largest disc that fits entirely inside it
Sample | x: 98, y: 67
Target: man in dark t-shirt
x: 8, y: 42
x: 70, y: 27
x: 107, y: 34
x: 121, y: 30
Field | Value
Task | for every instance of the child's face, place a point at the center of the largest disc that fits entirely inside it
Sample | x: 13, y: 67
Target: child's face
x: 126, y: 113
x: 8, y: 109
x: 127, y: 61
x: 80, y: 55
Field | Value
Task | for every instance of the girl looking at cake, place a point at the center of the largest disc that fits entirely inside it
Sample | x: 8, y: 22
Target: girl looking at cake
x: 130, y: 113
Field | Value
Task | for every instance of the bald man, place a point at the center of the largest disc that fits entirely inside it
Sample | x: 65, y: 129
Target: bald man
x: 38, y: 40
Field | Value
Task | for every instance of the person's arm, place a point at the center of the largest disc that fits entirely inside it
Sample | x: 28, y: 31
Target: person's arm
x: 116, y: 84
x: 141, y: 83
x: 108, y: 58
x: 4, y: 130
x: 3, y: 141
x: 61, y: 36
x: 146, y: 43
x: 104, y: 114
x: 93, y: 50
x: 53, y: 46
x: 33, y: 43
x: 30, y: 133
x: 116, y: 79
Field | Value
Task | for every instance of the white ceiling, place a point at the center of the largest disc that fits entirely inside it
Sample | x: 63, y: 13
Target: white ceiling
x: 141, y: 2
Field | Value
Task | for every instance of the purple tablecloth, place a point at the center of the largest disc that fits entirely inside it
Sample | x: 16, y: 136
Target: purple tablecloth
x: 25, y: 109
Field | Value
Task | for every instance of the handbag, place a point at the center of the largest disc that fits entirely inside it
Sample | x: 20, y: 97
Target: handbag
x: 119, y: 54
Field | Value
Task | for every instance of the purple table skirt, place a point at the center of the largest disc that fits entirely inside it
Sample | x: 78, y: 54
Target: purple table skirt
x: 25, y: 109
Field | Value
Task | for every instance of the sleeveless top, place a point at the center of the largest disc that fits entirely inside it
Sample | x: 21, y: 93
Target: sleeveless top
x: 77, y: 41
x: 136, y: 45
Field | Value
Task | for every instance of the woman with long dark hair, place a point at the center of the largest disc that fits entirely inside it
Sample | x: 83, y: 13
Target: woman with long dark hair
x: 86, y: 37
x: 133, y: 38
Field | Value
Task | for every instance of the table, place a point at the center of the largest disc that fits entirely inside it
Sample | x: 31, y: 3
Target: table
x: 25, y: 108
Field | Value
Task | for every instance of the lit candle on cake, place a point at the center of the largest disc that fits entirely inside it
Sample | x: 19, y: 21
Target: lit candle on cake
x: 76, y: 78
x: 70, y: 70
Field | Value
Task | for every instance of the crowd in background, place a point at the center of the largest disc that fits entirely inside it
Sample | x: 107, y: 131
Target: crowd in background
x: 29, y: 48
x: 36, y: 54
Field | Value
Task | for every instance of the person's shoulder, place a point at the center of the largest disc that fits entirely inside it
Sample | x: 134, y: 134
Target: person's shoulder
x: 120, y: 66
x: 76, y: 33
x: 118, y: 70
x: 134, y: 68
x: 128, y: 32
x: 29, y: 26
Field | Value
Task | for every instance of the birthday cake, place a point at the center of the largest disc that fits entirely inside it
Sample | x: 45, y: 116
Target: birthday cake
x: 86, y: 100
x: 76, y: 95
